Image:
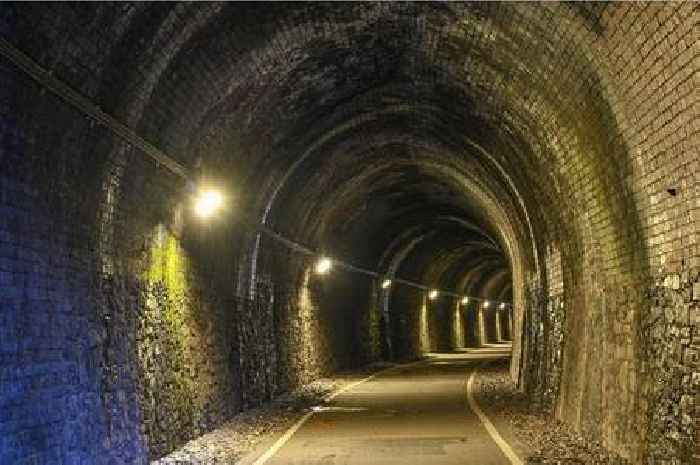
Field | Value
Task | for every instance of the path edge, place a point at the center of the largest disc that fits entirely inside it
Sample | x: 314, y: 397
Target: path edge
x: 486, y: 422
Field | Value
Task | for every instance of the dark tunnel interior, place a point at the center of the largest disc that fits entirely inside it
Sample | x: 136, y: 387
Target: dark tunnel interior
x: 516, y: 158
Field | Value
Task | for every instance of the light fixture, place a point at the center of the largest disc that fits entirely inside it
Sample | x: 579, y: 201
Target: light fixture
x: 486, y: 304
x: 503, y: 305
x: 433, y: 294
x: 386, y: 283
x: 207, y: 203
x: 465, y: 300
x: 323, y: 265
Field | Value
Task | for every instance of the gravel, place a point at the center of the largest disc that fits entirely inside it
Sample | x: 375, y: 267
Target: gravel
x: 551, y: 441
x: 240, y: 435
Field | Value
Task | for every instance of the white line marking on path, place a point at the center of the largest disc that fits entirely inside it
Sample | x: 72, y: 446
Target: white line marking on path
x: 335, y: 394
x: 283, y: 440
x: 269, y: 453
x: 495, y: 435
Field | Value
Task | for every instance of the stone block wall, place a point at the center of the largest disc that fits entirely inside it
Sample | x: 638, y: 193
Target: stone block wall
x: 672, y: 360
x: 257, y: 349
x: 320, y: 323
x: 186, y: 340
x: 57, y: 408
x: 471, y: 325
x: 618, y: 347
x: 408, y: 323
x: 117, y: 341
x: 62, y: 401
x: 100, y: 363
x: 440, y: 323
x: 589, y: 108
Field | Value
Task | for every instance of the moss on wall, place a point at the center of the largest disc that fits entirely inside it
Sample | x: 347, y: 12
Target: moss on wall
x: 186, y: 378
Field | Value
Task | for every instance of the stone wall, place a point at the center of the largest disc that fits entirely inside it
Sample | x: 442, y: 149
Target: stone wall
x: 440, y: 323
x: 408, y: 323
x: 471, y: 323
x: 257, y: 349
x: 568, y: 129
x: 101, y: 366
x: 628, y: 239
x: 62, y: 402
x: 321, y: 323
x: 185, y: 338
x: 114, y: 347
x: 672, y: 363
x: 668, y: 368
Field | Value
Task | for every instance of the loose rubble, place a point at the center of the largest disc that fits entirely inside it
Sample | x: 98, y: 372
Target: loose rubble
x: 551, y: 441
x: 240, y: 435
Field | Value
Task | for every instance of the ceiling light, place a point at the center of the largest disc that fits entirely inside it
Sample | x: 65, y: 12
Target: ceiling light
x: 465, y: 300
x: 386, y: 283
x: 207, y: 203
x: 433, y: 294
x: 486, y: 304
x: 323, y: 265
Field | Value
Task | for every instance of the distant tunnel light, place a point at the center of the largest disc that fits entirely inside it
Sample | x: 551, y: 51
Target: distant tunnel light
x: 323, y: 265
x: 386, y: 283
x: 465, y: 300
x: 433, y: 294
x: 207, y: 203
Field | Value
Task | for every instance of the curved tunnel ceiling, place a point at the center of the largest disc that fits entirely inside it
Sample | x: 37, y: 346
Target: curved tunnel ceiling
x: 340, y: 123
x: 537, y: 153
x: 350, y: 125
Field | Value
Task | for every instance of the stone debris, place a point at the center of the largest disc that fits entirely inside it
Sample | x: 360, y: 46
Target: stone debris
x: 240, y: 435
x: 551, y: 442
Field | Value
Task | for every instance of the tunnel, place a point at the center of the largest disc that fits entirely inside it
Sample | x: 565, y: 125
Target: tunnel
x: 207, y: 206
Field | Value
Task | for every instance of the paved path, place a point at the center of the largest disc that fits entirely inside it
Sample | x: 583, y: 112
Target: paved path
x: 413, y: 415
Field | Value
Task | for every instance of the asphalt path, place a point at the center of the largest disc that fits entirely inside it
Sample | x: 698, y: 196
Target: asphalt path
x: 417, y: 414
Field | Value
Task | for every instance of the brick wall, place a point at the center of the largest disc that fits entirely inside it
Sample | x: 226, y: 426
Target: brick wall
x: 114, y: 347
x: 568, y: 131
x: 58, y: 401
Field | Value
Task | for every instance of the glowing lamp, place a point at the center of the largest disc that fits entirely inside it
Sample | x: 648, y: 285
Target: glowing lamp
x: 323, y: 265
x: 486, y: 304
x: 465, y: 300
x: 503, y: 305
x: 386, y: 283
x: 207, y: 203
x: 433, y: 294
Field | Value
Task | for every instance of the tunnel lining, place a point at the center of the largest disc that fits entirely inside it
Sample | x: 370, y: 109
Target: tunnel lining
x: 619, y: 237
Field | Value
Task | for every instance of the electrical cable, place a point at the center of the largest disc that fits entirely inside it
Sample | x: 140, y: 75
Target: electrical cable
x: 356, y: 269
x: 88, y: 108
x: 94, y: 112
